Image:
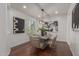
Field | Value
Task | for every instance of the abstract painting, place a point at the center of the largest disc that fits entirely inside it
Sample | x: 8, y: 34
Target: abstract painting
x: 18, y: 25
x: 75, y: 18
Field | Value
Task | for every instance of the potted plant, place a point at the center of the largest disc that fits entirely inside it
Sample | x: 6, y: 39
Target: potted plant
x: 43, y: 31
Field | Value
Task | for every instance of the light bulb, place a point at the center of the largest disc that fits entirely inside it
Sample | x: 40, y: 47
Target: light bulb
x: 24, y: 6
x: 56, y: 12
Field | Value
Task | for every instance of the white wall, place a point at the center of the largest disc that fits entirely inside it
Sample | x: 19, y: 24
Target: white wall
x: 72, y: 36
x: 4, y: 48
x: 16, y: 39
x: 62, y: 21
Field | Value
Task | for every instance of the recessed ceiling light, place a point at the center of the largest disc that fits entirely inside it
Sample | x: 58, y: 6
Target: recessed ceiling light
x: 39, y: 16
x: 56, y: 12
x: 40, y: 22
x: 24, y: 6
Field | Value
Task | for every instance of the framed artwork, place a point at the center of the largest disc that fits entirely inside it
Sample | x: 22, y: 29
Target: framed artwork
x: 54, y: 26
x: 18, y: 25
x: 75, y: 18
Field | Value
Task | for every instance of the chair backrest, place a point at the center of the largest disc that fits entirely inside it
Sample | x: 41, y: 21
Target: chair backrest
x: 35, y: 41
x: 54, y: 42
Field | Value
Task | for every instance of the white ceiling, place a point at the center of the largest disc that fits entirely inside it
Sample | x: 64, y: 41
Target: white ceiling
x: 33, y: 9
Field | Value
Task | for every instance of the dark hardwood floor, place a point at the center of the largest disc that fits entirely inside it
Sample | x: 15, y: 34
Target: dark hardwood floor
x: 62, y: 49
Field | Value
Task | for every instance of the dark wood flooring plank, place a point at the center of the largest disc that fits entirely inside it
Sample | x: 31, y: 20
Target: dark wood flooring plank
x: 62, y: 49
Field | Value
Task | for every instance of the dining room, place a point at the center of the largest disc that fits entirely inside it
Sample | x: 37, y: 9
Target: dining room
x: 41, y: 27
